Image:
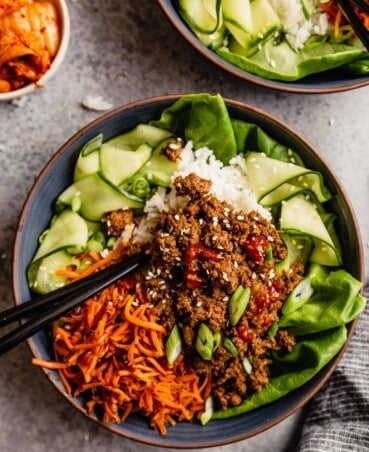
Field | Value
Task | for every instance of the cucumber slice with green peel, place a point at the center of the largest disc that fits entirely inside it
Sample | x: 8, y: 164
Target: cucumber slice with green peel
x: 325, y: 255
x: 67, y: 231
x: 197, y: 16
x: 299, y: 215
x: 266, y: 174
x: 213, y: 40
x: 97, y: 197
x: 86, y: 165
x: 159, y: 169
x: 214, y: 8
x: 142, y: 133
x: 264, y: 17
x: 117, y: 164
x: 250, y: 22
x: 92, y: 145
x: 312, y: 181
x: 298, y: 247
x: 237, y: 19
x: 308, y: 8
x: 41, y: 273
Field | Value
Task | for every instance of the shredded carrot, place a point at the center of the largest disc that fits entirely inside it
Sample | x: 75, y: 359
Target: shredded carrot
x: 338, y: 19
x: 112, y: 350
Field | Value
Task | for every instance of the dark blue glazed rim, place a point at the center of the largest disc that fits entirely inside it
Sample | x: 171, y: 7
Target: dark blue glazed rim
x: 37, y: 211
x: 325, y: 82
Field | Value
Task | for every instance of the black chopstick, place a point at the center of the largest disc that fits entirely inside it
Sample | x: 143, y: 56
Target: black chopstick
x: 60, y: 301
x: 355, y: 22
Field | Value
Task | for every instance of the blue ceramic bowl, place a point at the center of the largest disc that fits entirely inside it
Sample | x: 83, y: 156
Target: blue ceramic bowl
x: 325, y: 82
x: 37, y: 212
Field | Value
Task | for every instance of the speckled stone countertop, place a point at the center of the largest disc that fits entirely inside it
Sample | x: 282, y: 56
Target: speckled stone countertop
x: 125, y: 51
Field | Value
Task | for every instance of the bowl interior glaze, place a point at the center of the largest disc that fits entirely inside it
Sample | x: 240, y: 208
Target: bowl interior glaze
x: 37, y: 212
x: 325, y: 82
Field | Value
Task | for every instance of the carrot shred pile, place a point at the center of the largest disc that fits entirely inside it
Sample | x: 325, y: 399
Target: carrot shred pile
x: 112, y: 350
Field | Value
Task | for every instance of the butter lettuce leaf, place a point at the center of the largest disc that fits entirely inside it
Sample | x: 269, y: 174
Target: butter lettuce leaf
x: 203, y: 119
x: 281, y: 62
x: 335, y: 301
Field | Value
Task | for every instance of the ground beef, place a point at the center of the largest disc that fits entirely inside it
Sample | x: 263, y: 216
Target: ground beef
x: 114, y: 223
x: 201, y: 253
x: 173, y: 149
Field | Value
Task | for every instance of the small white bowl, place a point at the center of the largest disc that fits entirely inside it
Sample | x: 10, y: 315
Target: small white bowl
x: 63, y: 46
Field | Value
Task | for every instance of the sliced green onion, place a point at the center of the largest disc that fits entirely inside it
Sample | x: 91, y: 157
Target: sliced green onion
x: 247, y: 365
x: 298, y: 297
x: 208, y: 412
x: 205, y: 342
x: 238, y: 304
x: 229, y: 345
x: 173, y: 345
x: 217, y: 340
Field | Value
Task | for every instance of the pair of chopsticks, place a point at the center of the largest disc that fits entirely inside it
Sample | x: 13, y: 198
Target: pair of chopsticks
x: 357, y: 25
x: 48, y: 308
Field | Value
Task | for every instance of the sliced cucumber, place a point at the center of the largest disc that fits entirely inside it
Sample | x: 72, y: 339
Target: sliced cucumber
x: 237, y: 19
x: 264, y: 17
x: 159, y: 169
x: 41, y: 273
x: 308, y: 8
x: 117, y: 164
x: 86, y: 165
x: 250, y: 22
x: 325, y: 255
x: 142, y: 133
x: 213, y: 40
x: 68, y: 231
x: 266, y: 174
x: 197, y: 15
x: 298, y: 247
x: 92, y: 145
x: 299, y: 215
x: 97, y: 197
x: 312, y: 181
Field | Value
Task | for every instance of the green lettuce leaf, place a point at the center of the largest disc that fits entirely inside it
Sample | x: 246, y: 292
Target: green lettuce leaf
x: 281, y: 62
x: 335, y: 301
x: 250, y: 137
x: 203, y: 119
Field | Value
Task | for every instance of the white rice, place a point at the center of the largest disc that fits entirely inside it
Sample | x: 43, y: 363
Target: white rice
x: 229, y: 183
x: 297, y: 28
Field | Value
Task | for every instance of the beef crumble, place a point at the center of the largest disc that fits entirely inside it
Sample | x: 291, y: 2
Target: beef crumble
x: 113, y: 223
x: 201, y: 253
